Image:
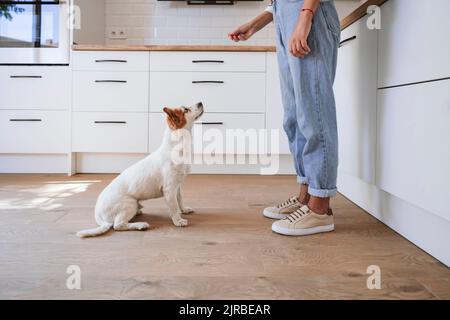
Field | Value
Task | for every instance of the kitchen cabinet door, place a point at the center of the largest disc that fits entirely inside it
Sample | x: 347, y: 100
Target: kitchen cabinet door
x: 34, y: 131
x: 35, y: 87
x: 413, y: 149
x: 234, y: 92
x: 110, y: 91
x: 355, y: 92
x: 109, y: 132
x: 207, y: 61
x: 414, y: 41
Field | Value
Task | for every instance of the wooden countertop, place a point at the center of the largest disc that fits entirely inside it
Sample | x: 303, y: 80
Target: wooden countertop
x: 354, y: 16
x: 88, y: 47
x: 359, y: 12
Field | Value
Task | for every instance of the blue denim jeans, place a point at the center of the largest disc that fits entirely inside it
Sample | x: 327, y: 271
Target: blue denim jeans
x: 307, y: 95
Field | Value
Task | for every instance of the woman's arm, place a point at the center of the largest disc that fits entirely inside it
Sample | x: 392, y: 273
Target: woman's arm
x: 298, y: 44
x: 248, y: 29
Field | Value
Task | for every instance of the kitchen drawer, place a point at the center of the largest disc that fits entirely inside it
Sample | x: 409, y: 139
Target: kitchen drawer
x: 413, y: 42
x: 40, y: 87
x: 33, y: 131
x: 208, y: 126
x: 110, y: 61
x: 110, y: 91
x: 413, y: 152
x: 219, y: 91
x: 109, y: 132
x: 208, y: 61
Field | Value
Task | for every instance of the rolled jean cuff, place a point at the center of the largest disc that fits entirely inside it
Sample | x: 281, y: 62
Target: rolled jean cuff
x: 302, y: 180
x: 322, y: 193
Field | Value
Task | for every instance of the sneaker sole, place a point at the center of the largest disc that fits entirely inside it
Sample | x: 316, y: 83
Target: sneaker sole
x: 302, y: 232
x: 273, y: 215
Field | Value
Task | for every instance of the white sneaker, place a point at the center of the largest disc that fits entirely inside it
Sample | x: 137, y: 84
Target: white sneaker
x: 282, y: 210
x: 304, y: 222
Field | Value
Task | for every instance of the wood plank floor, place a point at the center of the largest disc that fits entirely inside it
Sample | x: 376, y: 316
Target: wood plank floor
x: 227, y: 252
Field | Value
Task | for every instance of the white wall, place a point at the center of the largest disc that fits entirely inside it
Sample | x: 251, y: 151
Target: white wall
x: 92, y: 22
x: 169, y: 22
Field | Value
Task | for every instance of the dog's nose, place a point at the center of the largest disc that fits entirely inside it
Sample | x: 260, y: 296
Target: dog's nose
x: 200, y: 105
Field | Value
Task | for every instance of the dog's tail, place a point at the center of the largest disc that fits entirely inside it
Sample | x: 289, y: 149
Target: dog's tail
x: 104, y: 227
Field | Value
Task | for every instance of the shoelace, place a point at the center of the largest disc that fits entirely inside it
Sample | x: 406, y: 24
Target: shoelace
x: 287, y: 202
x: 298, y: 214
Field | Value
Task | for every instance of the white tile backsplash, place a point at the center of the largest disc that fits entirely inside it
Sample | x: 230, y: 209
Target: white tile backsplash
x: 176, y: 22
x: 172, y: 22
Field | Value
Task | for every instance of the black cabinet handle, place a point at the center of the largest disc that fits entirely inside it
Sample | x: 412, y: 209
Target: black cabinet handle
x: 25, y: 77
x: 208, y: 61
x: 210, y: 123
x: 113, y: 122
x: 207, y: 81
x: 347, y: 40
x: 117, y: 61
x: 201, y: 2
x: 25, y: 120
x: 110, y: 81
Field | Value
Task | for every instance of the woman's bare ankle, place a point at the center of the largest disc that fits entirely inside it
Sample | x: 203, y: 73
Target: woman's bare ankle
x: 319, y: 205
x: 304, y: 195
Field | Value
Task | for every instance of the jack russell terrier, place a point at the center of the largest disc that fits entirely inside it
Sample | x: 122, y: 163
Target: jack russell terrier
x: 152, y: 177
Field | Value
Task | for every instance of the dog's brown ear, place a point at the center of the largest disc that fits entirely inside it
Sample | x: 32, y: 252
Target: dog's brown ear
x: 175, y: 118
x: 168, y: 111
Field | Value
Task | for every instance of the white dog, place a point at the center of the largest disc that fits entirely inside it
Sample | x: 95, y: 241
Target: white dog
x: 153, y: 177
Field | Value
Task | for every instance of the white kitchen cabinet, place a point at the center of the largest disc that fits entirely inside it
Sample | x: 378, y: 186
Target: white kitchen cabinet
x: 274, y: 106
x: 109, y: 132
x: 414, y: 41
x: 211, y: 130
x: 413, y: 151
x: 110, y: 61
x: 114, y: 95
x: 355, y: 92
x: 208, y: 61
x: 34, y: 131
x: 110, y: 91
x: 394, y: 162
x: 219, y: 91
x: 35, y: 87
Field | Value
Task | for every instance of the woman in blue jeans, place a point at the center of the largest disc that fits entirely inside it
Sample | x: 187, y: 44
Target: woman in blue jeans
x: 307, y: 39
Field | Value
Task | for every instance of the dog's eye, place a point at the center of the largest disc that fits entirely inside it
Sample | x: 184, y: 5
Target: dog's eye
x: 186, y: 110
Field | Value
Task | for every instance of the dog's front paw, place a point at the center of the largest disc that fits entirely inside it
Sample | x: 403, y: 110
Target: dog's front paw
x: 142, y: 225
x: 180, y: 222
x: 187, y: 210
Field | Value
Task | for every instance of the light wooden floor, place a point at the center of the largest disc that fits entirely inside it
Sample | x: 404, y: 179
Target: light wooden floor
x: 228, y: 251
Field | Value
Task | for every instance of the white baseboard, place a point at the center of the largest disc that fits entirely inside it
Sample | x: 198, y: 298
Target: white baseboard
x: 105, y: 162
x: 33, y: 163
x: 72, y: 163
x: 425, y: 229
x: 116, y: 163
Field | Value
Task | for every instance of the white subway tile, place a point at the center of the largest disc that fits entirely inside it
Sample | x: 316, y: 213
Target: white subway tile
x: 161, y: 22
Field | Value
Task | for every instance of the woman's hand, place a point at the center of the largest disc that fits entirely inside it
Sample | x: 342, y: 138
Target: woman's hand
x: 248, y: 29
x: 298, y: 44
x: 243, y: 32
